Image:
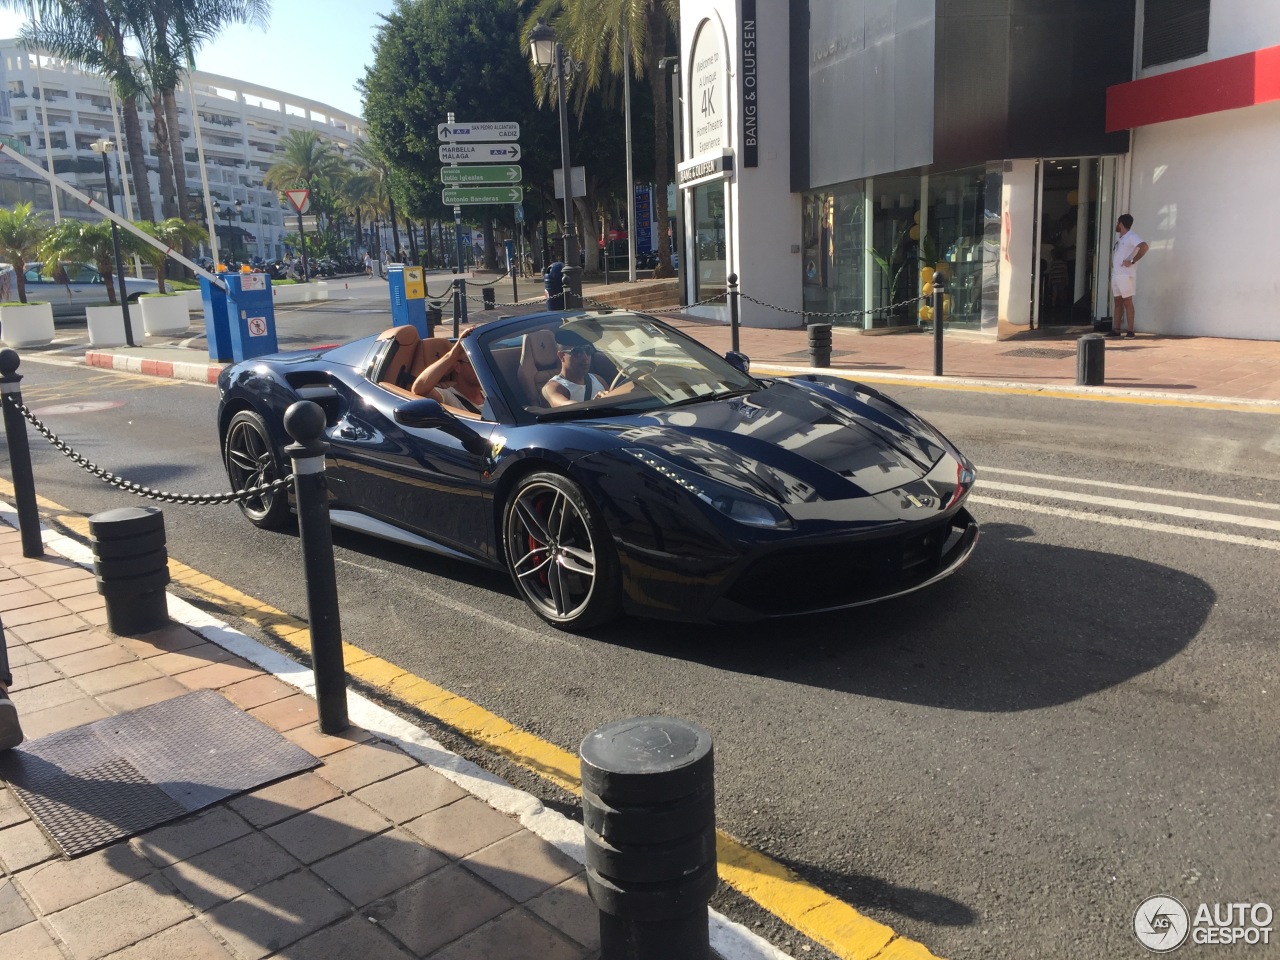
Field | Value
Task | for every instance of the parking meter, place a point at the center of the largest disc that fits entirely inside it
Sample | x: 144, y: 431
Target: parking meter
x: 251, y: 315
x: 408, y: 297
x: 553, y: 285
x: 216, y: 325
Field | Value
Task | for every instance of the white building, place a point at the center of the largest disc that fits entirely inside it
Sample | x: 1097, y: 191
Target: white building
x: 241, y: 125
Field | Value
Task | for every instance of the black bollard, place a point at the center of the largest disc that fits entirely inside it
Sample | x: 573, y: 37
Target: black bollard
x: 435, y: 317
x: 648, y: 802
x: 1091, y: 359
x: 820, y: 344
x: 305, y: 422
x: 132, y: 565
x: 15, y: 431
x: 733, y: 312
x: 939, y: 303
x: 490, y: 298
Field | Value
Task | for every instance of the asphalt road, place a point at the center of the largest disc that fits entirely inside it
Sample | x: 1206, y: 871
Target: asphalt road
x: 1002, y: 767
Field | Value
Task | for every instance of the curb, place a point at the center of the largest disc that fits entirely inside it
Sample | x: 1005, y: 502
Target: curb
x: 176, y: 370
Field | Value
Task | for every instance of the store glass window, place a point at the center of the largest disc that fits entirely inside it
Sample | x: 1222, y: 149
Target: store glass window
x: 710, y: 249
x: 833, y: 255
x: 954, y: 241
x: 895, y: 250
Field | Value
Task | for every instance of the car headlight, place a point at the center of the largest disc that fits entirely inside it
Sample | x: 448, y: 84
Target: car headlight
x: 733, y: 503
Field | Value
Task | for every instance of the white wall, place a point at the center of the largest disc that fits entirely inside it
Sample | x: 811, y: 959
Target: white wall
x: 765, y: 216
x: 1204, y: 196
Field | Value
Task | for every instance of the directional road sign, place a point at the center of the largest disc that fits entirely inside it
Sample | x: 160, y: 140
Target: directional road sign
x: 505, y: 173
x: 301, y: 199
x: 457, y: 196
x: 455, y: 132
x: 479, y: 152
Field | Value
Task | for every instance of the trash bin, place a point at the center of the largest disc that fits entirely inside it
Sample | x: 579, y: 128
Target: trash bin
x: 553, y: 286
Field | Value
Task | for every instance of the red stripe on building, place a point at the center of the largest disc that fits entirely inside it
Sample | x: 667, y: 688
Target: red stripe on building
x: 1228, y: 84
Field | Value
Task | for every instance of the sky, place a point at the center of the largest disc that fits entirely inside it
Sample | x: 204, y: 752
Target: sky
x: 311, y: 48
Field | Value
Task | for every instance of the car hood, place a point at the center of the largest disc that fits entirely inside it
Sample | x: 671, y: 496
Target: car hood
x: 795, y: 441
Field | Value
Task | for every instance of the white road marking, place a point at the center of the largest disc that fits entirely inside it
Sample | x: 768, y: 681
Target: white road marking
x: 1159, y: 491
x: 1135, y: 505
x: 1126, y: 522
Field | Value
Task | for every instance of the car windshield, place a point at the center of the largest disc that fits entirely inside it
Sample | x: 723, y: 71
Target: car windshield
x: 602, y: 364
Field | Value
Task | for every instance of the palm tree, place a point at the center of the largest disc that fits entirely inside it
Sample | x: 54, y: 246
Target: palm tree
x: 358, y: 198
x: 380, y: 171
x: 308, y: 158
x: 89, y: 34
x: 79, y: 242
x: 21, y: 234
x: 174, y: 233
x: 597, y: 32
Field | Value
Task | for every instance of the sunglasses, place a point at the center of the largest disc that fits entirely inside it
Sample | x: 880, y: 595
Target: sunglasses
x: 583, y: 351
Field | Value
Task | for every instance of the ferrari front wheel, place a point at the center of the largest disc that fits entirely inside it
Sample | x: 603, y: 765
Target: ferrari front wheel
x: 560, y: 556
x: 252, y: 461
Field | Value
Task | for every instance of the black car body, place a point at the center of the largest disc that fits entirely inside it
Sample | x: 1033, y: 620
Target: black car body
x: 692, y: 491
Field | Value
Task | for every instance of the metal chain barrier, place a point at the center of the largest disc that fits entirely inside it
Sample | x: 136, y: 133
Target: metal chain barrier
x: 833, y: 314
x: 235, y: 496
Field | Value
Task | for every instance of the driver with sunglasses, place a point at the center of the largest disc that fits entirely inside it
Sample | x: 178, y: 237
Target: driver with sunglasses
x: 575, y: 382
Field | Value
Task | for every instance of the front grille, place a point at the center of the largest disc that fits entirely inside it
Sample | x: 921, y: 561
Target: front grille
x: 792, y: 580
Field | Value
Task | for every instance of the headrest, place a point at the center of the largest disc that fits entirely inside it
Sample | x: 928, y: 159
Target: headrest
x: 404, y: 336
x: 540, y: 347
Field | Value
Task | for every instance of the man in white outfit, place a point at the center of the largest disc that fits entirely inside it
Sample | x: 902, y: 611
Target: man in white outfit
x: 575, y: 383
x: 1129, y: 249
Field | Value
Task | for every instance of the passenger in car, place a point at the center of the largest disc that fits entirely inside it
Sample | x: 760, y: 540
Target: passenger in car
x: 575, y: 382
x: 452, y: 380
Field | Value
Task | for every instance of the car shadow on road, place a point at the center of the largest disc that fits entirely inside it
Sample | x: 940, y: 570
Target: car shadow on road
x: 1024, y: 625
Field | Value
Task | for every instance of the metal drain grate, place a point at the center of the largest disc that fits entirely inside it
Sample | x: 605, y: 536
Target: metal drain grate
x: 1040, y: 353
x: 99, y: 783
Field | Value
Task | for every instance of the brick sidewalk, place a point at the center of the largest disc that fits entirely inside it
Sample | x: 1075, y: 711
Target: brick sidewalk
x: 371, y: 855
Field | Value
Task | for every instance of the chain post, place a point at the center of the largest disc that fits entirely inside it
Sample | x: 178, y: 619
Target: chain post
x: 15, y: 430
x: 939, y: 291
x: 304, y: 421
x: 733, y: 311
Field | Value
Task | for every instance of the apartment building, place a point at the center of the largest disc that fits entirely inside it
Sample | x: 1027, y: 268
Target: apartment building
x: 241, y: 125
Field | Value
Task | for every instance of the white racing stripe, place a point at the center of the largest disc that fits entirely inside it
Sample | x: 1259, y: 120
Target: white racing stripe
x: 1126, y: 522
x: 1208, y: 516
x: 1158, y: 491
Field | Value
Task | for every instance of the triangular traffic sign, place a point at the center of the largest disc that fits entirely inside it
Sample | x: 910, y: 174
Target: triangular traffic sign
x: 301, y: 199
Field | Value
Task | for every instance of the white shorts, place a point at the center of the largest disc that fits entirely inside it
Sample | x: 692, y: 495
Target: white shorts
x: 1123, y: 286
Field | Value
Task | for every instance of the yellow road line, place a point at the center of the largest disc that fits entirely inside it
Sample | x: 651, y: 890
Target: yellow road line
x: 819, y: 916
x: 1056, y: 393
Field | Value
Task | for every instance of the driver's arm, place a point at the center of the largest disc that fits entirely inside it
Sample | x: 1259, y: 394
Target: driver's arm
x: 555, y: 394
x: 430, y: 378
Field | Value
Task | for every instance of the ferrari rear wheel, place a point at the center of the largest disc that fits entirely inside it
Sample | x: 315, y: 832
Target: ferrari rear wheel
x: 252, y: 460
x: 559, y: 554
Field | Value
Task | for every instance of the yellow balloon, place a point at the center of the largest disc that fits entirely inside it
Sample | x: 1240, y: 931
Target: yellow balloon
x: 946, y: 302
x: 915, y: 232
x: 1073, y: 198
x: 926, y: 313
x: 926, y: 274
x: 917, y: 216
x: 927, y: 290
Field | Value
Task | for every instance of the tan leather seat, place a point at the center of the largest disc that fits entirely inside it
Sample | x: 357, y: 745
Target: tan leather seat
x: 539, y: 362
x: 397, y: 368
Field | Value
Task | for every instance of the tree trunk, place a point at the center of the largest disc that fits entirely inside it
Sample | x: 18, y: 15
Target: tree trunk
x: 658, y: 29
x: 430, y: 260
x: 19, y: 276
x: 105, y: 267
x: 413, y: 242
x: 490, y: 254
x: 167, y: 205
x: 359, y: 231
x: 137, y: 158
x: 177, y: 152
x: 395, y: 228
x: 589, y: 227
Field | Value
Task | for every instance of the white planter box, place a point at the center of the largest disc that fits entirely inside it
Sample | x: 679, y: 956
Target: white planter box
x: 300, y: 292
x: 165, y: 316
x: 27, y: 325
x: 106, y: 325
x: 194, y: 298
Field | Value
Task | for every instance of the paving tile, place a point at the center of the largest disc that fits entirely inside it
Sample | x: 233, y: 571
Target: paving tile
x: 192, y: 658
x: 318, y: 744
x: 226, y: 872
x: 288, y: 713
x: 352, y: 938
x: 83, y: 602
x: 20, y: 654
x: 62, y: 575
x: 72, y: 641
x: 143, y: 694
x: 263, y: 688
x: 118, y: 918
x: 72, y: 588
x: 114, y: 678
x: 14, y: 911
x: 22, y: 598
x: 364, y: 764
x: 327, y: 829
x: 378, y: 866
x: 463, y: 827
x: 516, y: 935
x: 51, y: 610
x: 217, y: 675
x: 11, y: 811
x: 569, y: 909
x: 14, y: 584
x: 48, y: 695
x: 284, y: 799
x: 33, y: 632
x: 100, y: 658
x: 59, y: 884
x: 29, y: 943
x: 522, y: 865
x: 95, y: 618
x: 410, y: 794
x: 189, y: 940
x: 168, y: 639
x: 276, y: 915
x: 191, y: 835
x: 440, y: 908
x: 36, y: 566
x: 79, y: 711
x: 33, y: 675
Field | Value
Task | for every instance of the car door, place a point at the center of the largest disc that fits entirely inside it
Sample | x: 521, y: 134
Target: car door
x: 422, y: 480
x: 86, y: 285
x: 40, y: 287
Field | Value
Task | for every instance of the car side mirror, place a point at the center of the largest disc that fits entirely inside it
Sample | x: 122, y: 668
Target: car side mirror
x: 739, y: 361
x: 429, y: 414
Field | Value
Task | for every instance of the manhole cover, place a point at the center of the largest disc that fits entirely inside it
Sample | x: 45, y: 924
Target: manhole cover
x: 1040, y: 353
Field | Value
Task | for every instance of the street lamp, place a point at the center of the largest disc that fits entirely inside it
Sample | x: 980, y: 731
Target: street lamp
x: 546, y: 51
x: 227, y: 213
x: 104, y: 147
